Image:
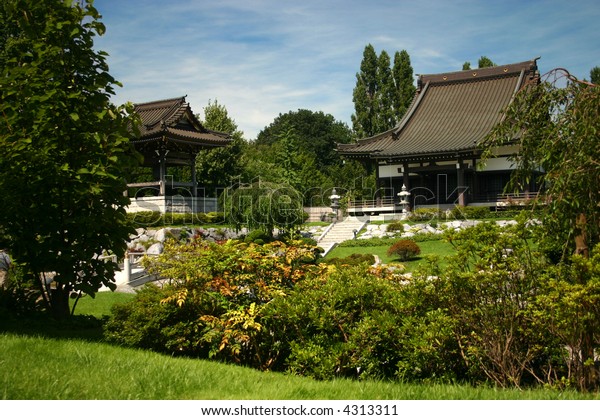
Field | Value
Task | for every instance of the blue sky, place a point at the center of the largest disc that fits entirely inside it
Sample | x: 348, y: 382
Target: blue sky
x: 262, y: 58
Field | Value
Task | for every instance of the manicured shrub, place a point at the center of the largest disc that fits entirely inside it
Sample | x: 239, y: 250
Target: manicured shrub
x: 422, y: 214
x: 469, y: 213
x: 156, y: 219
x: 405, y: 249
x: 258, y: 236
x: 354, y: 259
x: 396, y: 226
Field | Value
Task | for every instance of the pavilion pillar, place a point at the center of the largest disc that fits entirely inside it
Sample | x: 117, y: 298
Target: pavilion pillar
x: 162, y: 169
x: 194, y: 182
x: 405, y: 176
x: 460, y: 185
x: 476, y: 189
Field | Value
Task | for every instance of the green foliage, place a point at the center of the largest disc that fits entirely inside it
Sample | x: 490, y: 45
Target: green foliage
x: 299, y: 149
x: 595, y: 75
x: 382, y: 241
x: 425, y: 213
x: 557, y: 130
x: 258, y: 236
x: 212, y: 306
x: 490, y: 284
x: 485, y: 62
x: 470, y: 213
x: 362, y: 327
x: 405, y: 249
x: 569, y: 308
x: 353, y: 259
x: 264, y: 205
x: 65, y: 148
x: 19, y: 295
x: 157, y: 219
x: 381, y: 96
x: 220, y: 166
x: 396, y: 226
x: 316, y: 134
x: 404, y: 83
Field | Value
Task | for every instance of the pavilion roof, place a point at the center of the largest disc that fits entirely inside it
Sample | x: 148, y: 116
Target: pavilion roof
x: 450, y: 114
x: 173, y: 120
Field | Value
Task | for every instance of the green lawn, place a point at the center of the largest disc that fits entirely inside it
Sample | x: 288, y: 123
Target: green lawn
x: 440, y: 248
x: 41, y: 360
x: 46, y: 368
x: 101, y: 304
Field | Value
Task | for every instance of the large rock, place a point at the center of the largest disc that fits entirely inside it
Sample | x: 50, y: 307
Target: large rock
x: 155, y: 249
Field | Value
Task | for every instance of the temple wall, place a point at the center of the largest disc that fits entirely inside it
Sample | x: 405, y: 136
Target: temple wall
x: 175, y: 204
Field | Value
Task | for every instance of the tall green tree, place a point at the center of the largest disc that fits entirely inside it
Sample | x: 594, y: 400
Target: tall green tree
x: 220, y: 167
x: 65, y: 149
x: 485, y: 62
x: 482, y: 63
x: 381, y: 95
x: 404, y: 82
x: 595, y: 75
x: 386, y: 93
x: 557, y: 129
x: 316, y: 134
x: 364, y: 95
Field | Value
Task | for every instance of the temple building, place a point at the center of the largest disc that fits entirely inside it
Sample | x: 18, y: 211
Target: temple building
x: 170, y: 137
x: 433, y: 150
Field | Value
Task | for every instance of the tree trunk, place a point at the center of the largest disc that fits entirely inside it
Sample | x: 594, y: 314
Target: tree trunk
x: 59, y: 302
x: 589, y: 374
x: 581, y: 247
x: 589, y: 370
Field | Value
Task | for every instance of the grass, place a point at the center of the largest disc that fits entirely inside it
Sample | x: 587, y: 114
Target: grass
x: 100, y: 305
x: 440, y: 248
x: 46, y: 368
x: 42, y: 360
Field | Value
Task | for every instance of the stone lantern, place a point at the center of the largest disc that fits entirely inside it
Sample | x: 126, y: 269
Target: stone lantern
x: 404, y: 203
x: 335, y: 202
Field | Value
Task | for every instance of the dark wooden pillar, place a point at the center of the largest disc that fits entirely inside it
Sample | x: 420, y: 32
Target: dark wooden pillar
x: 160, y: 171
x: 194, y: 183
x: 405, y: 176
x: 460, y: 183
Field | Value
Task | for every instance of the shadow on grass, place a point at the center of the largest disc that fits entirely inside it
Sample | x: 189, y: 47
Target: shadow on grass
x: 81, y: 327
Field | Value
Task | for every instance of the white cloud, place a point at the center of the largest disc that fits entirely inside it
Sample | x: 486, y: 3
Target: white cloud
x: 267, y: 57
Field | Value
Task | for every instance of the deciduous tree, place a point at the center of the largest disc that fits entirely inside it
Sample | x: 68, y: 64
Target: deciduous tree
x: 557, y: 129
x: 404, y: 82
x: 65, y: 149
x: 381, y: 95
x: 220, y: 166
x: 365, y: 94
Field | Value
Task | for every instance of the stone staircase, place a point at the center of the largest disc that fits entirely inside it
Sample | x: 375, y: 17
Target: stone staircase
x: 340, y: 232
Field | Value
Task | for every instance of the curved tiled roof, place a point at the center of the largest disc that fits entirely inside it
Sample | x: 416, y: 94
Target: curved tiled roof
x: 451, y: 113
x: 174, y: 120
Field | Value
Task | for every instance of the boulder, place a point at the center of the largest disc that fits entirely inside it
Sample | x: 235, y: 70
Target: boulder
x: 155, y: 249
